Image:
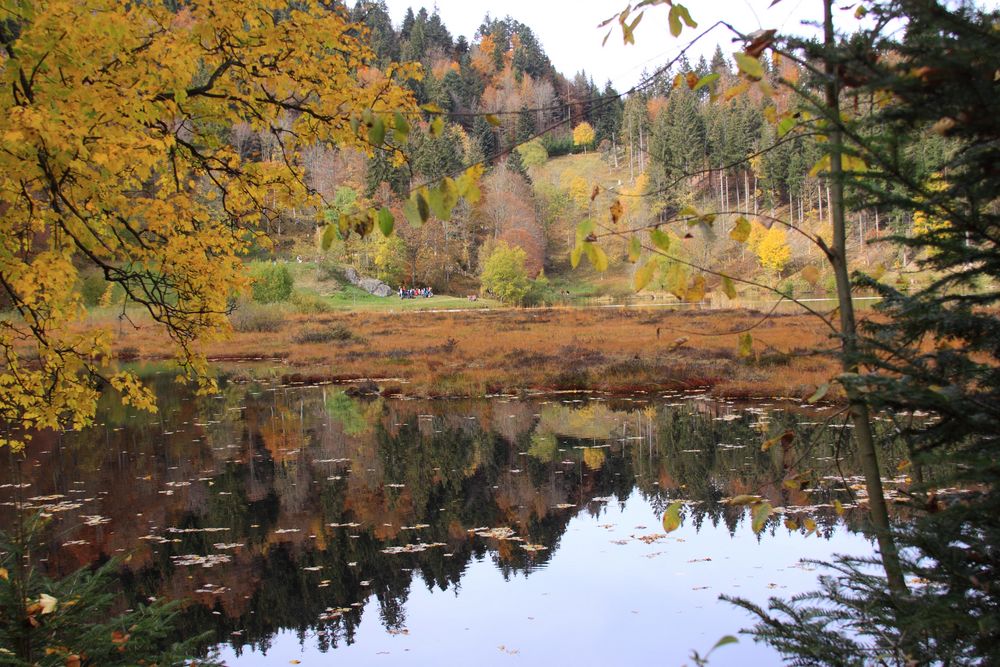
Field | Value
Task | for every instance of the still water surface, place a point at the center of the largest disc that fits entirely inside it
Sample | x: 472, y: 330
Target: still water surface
x: 307, y: 525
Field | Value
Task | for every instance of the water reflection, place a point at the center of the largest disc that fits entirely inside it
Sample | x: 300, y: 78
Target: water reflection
x: 302, y: 510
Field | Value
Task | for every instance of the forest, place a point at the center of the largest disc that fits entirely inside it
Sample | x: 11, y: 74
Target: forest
x: 775, y: 255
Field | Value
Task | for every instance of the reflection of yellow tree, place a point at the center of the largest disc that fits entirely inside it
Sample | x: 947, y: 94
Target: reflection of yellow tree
x: 593, y: 457
x: 592, y: 422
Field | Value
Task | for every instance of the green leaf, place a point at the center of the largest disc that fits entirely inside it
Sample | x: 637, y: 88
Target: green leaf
x: 376, y: 133
x: 431, y: 107
x: 385, y: 221
x: 820, y: 392
x: 493, y: 120
x: 634, y: 249
x: 759, y: 515
x: 449, y: 190
x: 674, y: 18
x: 728, y: 639
x: 437, y: 126
x: 598, y: 258
x: 423, y: 208
x: 672, y: 517
x: 728, y: 288
x: 468, y: 187
x: 329, y: 234
x: 660, y: 239
x: 584, y: 229
x: 574, y: 257
x: 644, y: 275
x: 682, y: 10
x: 741, y: 232
x: 745, y: 348
x: 706, y: 80
x: 401, y: 126
x: 411, y: 212
x: 785, y: 126
x: 749, y: 65
x: 435, y: 197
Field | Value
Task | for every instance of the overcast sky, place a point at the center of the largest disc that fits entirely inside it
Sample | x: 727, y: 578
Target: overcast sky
x: 568, y: 29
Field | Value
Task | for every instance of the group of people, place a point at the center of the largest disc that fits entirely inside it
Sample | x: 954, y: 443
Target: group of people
x: 414, y: 292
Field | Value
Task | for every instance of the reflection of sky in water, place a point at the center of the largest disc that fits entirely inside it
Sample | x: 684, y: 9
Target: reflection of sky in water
x: 595, y: 603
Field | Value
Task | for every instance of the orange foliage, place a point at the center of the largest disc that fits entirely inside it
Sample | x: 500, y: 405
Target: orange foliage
x: 654, y: 106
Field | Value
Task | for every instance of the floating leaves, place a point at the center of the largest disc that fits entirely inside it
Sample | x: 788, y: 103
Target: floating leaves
x: 672, y: 517
x: 205, y: 561
x: 412, y: 548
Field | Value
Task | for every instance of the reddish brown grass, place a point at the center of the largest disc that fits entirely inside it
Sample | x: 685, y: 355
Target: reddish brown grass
x: 506, y: 351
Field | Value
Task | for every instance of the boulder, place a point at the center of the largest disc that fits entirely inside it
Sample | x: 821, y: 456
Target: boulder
x: 374, y: 287
x: 352, y: 275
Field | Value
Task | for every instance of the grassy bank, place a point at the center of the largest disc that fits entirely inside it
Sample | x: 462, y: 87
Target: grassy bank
x: 474, y: 353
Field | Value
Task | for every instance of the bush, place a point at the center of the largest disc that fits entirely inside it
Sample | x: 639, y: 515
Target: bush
x: 332, y: 334
x: 541, y: 292
x: 310, y: 302
x: 271, y: 282
x: 504, y: 275
x: 533, y: 153
x: 557, y: 146
x: 249, y: 317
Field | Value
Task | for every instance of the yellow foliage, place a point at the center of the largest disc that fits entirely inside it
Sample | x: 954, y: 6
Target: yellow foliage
x: 579, y: 191
x: 773, y: 251
x: 583, y: 134
x: 113, y: 152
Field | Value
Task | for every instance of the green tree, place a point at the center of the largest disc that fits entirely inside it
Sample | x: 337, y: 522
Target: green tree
x: 504, y: 275
x: 533, y: 153
x: 271, y: 282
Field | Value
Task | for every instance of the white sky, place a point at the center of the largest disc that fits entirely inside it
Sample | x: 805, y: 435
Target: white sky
x: 568, y: 29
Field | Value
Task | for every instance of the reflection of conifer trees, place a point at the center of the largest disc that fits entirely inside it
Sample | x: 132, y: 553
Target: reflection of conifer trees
x: 272, y: 470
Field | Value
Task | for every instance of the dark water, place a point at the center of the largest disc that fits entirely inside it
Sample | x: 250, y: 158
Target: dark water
x: 307, y: 525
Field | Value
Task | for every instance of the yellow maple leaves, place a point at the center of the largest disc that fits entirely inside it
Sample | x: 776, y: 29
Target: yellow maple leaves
x: 114, y: 154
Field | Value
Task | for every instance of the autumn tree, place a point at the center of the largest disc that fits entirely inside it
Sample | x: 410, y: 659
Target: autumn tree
x: 773, y: 251
x: 507, y: 213
x: 112, y: 155
x: 583, y: 135
x: 504, y: 275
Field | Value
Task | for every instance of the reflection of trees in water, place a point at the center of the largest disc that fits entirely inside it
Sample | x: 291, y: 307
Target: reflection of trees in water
x: 273, y: 470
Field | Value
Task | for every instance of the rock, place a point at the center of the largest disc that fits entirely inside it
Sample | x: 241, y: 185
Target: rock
x: 371, y: 285
x: 374, y: 287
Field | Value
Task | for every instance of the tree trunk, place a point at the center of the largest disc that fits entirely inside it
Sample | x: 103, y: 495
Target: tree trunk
x: 877, y: 510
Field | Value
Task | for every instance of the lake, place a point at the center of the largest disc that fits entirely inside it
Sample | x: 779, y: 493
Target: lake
x: 307, y: 525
